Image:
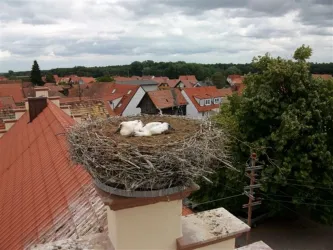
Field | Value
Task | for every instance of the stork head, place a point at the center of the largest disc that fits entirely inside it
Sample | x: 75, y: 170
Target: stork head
x: 170, y: 128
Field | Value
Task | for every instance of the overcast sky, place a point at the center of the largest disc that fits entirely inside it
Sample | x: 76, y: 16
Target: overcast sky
x: 65, y: 33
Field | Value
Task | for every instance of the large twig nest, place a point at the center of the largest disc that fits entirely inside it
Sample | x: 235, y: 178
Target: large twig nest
x: 194, y: 150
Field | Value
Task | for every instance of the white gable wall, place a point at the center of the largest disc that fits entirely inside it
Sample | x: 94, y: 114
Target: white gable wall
x: 131, y: 108
x: 191, y: 110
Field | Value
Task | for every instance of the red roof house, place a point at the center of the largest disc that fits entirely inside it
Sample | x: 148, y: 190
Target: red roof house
x: 204, y: 100
x: 122, y: 98
x: 169, y: 101
x: 323, y: 76
x: 12, y: 89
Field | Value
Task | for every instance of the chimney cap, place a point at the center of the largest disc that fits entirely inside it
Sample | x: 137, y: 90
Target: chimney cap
x: 9, y: 120
x: 19, y: 110
x: 54, y: 97
x: 41, y: 88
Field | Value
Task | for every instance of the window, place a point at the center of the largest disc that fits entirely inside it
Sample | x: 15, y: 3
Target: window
x: 129, y: 92
x: 217, y: 100
x: 208, y: 102
x: 113, y: 91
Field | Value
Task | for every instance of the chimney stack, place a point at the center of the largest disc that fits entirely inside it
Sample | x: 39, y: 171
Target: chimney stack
x: 55, y: 100
x: 41, y: 91
x: 151, y: 222
x: 19, y: 112
x: 36, y: 106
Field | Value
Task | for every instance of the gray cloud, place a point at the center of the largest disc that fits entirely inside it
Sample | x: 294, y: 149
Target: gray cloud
x: 95, y: 31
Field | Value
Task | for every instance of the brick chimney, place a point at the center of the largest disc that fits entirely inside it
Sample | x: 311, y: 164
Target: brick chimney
x: 36, y: 106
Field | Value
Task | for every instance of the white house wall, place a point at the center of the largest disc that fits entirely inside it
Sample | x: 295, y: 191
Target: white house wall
x: 131, y: 108
x: 191, y: 110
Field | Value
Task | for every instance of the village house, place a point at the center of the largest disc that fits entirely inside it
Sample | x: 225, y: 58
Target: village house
x: 236, y: 83
x: 204, y: 101
x: 169, y: 102
x: 119, y: 99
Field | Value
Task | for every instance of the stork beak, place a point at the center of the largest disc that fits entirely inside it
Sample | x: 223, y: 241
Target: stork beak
x: 171, y: 128
x: 118, y: 129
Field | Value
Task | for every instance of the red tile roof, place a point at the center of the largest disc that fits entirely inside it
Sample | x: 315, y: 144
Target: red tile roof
x: 204, y: 93
x: 190, y: 78
x: 107, y: 90
x: 43, y: 195
x: 124, y: 79
x: 12, y: 89
x: 167, y: 98
x: 173, y: 82
x: 41, y: 191
x: 188, y: 83
x: 7, y: 102
x: 323, y: 76
x: 237, y: 83
x: 225, y: 92
x: 2, y: 78
x: 161, y: 79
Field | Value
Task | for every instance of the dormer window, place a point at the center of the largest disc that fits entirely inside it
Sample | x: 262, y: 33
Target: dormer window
x: 208, y: 102
x: 217, y: 100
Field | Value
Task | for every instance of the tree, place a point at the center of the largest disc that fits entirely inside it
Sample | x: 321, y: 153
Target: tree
x: 105, y: 79
x: 50, y: 78
x: 219, y: 80
x: 233, y: 70
x: 35, y: 76
x: 287, y: 117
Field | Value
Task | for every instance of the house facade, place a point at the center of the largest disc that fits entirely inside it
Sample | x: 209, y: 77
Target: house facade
x: 168, y: 102
x: 204, y: 101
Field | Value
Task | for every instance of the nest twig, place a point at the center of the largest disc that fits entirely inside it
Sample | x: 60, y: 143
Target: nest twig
x: 149, y: 163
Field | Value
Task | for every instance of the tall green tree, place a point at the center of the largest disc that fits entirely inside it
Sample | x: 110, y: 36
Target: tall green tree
x: 50, y: 78
x: 287, y: 116
x: 35, y: 75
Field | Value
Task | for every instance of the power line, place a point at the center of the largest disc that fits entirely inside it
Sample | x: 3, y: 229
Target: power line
x: 224, y: 198
x: 300, y: 203
x: 294, y: 184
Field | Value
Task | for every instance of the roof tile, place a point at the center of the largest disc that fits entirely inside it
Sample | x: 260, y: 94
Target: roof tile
x: 166, y: 98
x: 205, y: 93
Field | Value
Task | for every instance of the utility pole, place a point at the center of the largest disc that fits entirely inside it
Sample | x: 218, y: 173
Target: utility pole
x: 252, y: 168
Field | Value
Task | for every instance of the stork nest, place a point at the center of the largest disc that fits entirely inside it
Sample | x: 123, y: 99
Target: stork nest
x: 194, y: 150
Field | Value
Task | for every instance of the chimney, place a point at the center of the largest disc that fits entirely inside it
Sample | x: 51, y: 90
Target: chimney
x: 19, y: 112
x: 66, y: 109
x: 55, y: 100
x: 36, y: 106
x: 41, y: 91
x: 151, y: 222
x: 9, y: 123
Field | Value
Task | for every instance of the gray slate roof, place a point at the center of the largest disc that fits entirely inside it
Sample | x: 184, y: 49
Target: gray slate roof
x: 138, y: 82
